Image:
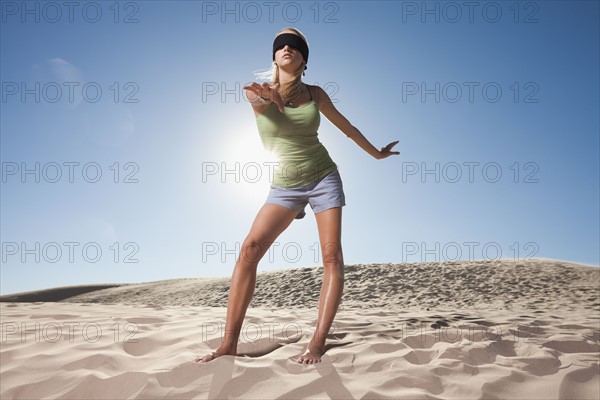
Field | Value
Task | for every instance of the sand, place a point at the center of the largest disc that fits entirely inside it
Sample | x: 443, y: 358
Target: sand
x: 457, y: 330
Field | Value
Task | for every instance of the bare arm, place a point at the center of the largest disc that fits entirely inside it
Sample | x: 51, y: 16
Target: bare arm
x: 332, y: 114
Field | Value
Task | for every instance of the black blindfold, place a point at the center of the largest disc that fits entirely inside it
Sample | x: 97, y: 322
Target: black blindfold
x: 293, y: 41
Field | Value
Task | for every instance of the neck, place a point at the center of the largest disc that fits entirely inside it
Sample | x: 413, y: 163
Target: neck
x: 285, y: 77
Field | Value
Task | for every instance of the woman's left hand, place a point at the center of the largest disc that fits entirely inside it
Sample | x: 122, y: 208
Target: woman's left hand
x: 387, y: 150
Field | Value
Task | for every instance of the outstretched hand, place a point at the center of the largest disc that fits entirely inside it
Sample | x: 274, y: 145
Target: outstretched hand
x: 387, y: 150
x: 267, y: 91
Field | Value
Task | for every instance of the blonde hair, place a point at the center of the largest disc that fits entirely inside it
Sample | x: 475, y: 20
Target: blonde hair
x: 294, y: 87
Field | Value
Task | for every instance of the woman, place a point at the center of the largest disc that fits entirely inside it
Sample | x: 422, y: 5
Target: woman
x: 287, y: 115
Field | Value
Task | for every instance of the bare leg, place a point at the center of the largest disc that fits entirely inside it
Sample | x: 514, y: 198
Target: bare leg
x: 271, y: 220
x: 330, y: 235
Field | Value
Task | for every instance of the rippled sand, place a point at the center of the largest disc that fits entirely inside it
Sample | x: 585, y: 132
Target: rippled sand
x: 461, y: 330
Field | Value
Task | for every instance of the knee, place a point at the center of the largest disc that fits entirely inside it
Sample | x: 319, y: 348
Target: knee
x: 332, y: 255
x: 334, y: 269
x: 252, y: 252
x: 337, y: 265
x: 333, y: 259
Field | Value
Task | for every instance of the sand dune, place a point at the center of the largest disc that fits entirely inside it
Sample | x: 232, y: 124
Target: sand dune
x: 448, y: 285
x: 460, y: 330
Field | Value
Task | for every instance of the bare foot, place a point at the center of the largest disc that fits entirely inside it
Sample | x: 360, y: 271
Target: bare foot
x: 217, y: 353
x: 312, y: 354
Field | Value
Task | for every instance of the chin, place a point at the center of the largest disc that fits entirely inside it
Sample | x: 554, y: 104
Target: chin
x: 289, y: 67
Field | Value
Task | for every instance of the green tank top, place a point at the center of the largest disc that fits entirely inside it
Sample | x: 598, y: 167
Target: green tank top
x: 292, y: 138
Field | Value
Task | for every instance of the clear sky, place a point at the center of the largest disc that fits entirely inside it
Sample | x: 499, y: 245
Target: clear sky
x: 122, y: 124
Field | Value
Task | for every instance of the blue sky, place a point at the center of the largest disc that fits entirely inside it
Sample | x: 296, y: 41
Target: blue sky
x: 495, y: 110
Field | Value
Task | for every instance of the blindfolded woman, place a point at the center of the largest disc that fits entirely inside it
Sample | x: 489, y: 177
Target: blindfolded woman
x: 288, y: 116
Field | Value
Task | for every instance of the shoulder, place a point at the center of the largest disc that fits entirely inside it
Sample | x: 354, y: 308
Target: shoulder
x: 319, y: 95
x: 314, y: 89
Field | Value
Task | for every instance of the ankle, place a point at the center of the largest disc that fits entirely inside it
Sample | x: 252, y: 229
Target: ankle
x: 316, y: 342
x: 228, y: 346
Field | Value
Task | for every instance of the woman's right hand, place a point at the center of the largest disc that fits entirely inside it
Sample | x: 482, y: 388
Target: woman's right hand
x: 267, y: 91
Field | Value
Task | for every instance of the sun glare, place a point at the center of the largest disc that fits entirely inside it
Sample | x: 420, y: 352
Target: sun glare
x: 248, y: 165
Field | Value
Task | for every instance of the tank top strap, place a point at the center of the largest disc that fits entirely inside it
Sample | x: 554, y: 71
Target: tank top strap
x: 309, y: 92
